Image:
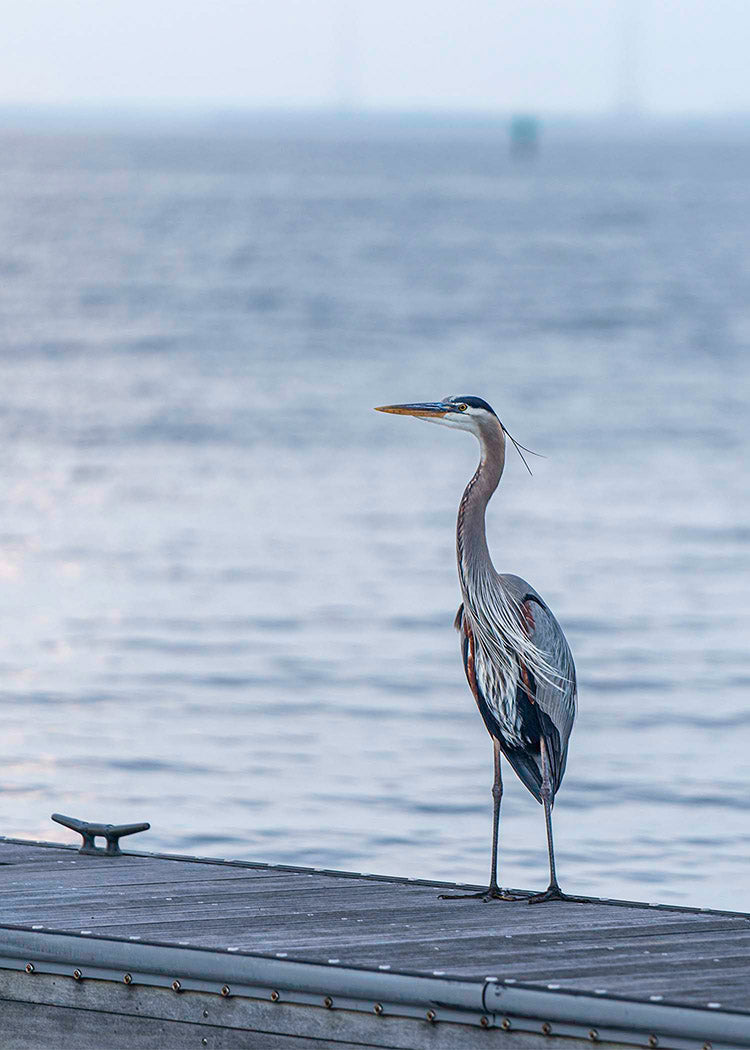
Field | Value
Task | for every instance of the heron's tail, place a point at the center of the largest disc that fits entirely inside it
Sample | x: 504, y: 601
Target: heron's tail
x: 527, y: 769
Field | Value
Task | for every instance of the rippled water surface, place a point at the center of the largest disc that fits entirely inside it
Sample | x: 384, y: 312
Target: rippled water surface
x: 227, y: 586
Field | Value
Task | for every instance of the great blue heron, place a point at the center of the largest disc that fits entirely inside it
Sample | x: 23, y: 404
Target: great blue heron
x: 517, y: 661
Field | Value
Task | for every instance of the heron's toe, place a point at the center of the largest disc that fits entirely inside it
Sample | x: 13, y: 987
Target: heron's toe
x: 554, y: 893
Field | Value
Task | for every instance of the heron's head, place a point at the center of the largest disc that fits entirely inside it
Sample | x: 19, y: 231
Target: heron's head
x: 461, y: 413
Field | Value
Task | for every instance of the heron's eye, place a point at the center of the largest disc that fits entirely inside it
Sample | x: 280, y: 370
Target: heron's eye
x: 462, y: 408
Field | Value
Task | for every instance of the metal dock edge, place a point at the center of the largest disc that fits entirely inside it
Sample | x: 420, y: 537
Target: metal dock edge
x: 379, y: 995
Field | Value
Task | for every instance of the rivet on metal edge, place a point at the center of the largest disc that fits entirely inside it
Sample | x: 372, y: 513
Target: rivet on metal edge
x: 30, y: 967
x: 204, y: 1041
x: 205, y: 1013
x: 127, y: 978
x: 593, y: 1035
x: 505, y: 1024
x: 77, y: 975
x: 378, y: 1008
x: 430, y: 1015
x: 225, y: 990
x: 328, y: 1002
x: 546, y: 1028
x: 176, y: 985
x: 484, y: 1022
x: 274, y: 997
x: 653, y: 1040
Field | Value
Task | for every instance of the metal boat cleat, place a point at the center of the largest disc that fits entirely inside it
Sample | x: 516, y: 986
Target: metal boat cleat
x: 90, y: 832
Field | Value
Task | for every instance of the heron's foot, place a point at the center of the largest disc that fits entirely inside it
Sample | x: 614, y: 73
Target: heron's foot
x: 494, y: 893
x: 552, y: 893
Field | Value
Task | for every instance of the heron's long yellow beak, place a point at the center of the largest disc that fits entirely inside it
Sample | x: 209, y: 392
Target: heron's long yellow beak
x: 425, y: 408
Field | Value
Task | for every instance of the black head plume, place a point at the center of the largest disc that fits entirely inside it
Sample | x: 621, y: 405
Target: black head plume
x: 519, y: 446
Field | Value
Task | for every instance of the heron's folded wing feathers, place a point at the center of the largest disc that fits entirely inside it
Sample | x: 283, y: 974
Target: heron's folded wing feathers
x: 554, y: 697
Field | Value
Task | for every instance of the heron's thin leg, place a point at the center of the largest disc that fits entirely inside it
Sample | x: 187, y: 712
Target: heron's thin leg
x: 497, y: 797
x: 493, y: 892
x: 553, y: 891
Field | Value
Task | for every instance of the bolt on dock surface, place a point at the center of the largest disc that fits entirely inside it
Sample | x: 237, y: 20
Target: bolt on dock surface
x: 144, y: 950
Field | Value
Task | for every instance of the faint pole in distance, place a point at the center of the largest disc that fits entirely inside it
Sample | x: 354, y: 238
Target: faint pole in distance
x: 628, y: 100
x: 347, y: 57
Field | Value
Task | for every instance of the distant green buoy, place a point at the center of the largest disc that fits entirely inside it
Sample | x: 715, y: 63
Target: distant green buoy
x: 524, y: 135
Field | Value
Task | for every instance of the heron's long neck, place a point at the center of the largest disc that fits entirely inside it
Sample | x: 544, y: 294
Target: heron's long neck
x: 471, y: 537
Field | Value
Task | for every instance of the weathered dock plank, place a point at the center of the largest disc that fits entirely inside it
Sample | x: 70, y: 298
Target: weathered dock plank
x: 351, y: 960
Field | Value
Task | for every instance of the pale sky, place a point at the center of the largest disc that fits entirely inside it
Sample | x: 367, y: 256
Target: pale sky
x: 555, y: 56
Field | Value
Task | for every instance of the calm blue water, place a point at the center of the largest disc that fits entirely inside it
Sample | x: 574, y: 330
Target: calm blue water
x: 227, y: 586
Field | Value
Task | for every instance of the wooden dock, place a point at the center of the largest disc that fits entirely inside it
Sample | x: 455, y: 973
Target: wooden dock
x: 147, y: 951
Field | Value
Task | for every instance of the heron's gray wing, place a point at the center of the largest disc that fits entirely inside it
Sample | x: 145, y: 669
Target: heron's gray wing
x: 553, y: 696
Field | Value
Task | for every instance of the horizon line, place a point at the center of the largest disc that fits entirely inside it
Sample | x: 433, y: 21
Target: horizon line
x: 209, y: 108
